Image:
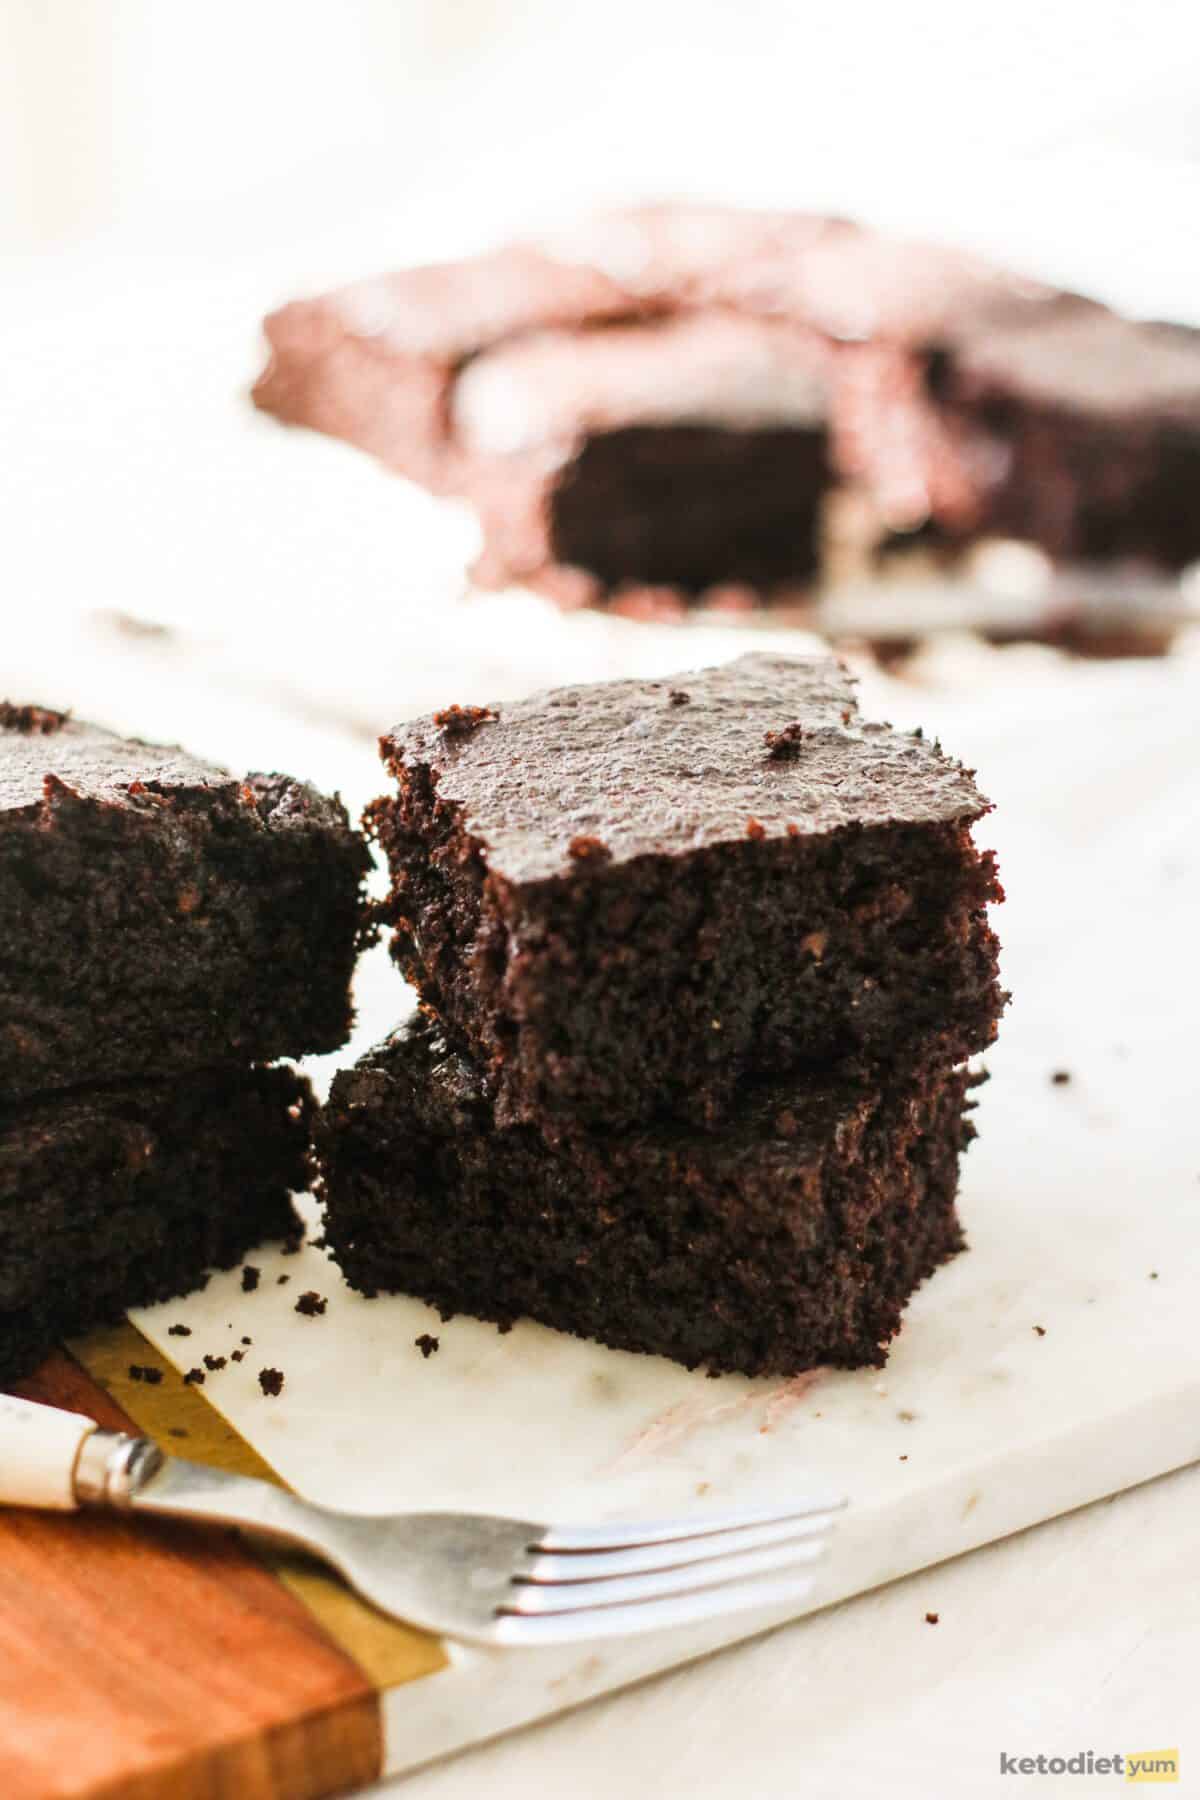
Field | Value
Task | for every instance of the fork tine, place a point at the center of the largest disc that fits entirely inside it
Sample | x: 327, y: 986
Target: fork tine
x: 592, y: 1565
x: 531, y: 1631
x: 536, y: 1597
x: 625, y: 1536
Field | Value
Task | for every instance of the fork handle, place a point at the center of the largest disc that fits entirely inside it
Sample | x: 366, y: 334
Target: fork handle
x: 62, y: 1461
x: 40, y: 1448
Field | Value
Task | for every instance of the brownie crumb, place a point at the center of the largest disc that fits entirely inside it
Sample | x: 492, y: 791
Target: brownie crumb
x: 271, y: 1381
x: 176, y: 1431
x: 142, y: 1372
x: 237, y: 1355
x: 179, y: 1331
x: 460, y: 721
x: 755, y: 830
x: 194, y: 1378
x: 784, y: 746
x: 904, y: 1458
x: 250, y: 1278
x: 678, y: 697
x: 588, y: 849
x: 247, y: 1341
x: 311, y: 1304
x: 931, y: 1618
x: 427, y: 1344
x: 1154, y: 1275
x: 213, y: 1363
x: 1041, y: 1330
x: 31, y: 721
x: 1061, y: 1077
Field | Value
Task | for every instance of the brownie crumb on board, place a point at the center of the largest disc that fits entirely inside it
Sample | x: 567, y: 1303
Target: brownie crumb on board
x: 783, y: 746
x: 237, y: 1355
x: 932, y: 1618
x: 678, y: 697
x: 179, y: 1331
x: 588, y: 849
x: 194, y: 1378
x: 311, y: 1304
x: 176, y: 1431
x: 460, y: 721
x: 271, y: 1381
x: 213, y: 1363
x: 282, y: 1280
x: 250, y: 1278
x: 247, y: 1341
x: 31, y: 721
x: 1041, y: 1330
x: 142, y: 1372
x: 1060, y: 1077
x: 427, y: 1344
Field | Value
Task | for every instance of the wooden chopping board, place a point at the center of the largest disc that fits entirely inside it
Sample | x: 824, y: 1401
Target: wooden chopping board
x: 153, y: 1662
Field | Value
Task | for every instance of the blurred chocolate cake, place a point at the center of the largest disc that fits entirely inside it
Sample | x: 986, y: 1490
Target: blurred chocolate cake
x: 682, y: 406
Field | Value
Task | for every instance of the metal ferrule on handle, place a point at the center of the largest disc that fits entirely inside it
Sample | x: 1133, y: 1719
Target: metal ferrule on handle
x: 40, y: 1448
x: 111, y: 1467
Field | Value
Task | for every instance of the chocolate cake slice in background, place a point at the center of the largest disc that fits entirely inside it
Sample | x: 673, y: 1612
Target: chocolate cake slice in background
x: 628, y: 900
x: 675, y: 402
x: 158, y: 915
x: 791, y: 1239
x: 129, y: 1192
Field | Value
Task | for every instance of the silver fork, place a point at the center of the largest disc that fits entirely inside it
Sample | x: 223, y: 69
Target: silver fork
x: 463, y: 1575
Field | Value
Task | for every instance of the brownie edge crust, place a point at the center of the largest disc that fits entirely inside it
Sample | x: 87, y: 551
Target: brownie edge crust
x: 632, y: 898
x: 791, y: 1240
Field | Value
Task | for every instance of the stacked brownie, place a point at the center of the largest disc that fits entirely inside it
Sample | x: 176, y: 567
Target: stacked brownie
x: 166, y: 932
x: 684, y: 405
x: 700, y: 963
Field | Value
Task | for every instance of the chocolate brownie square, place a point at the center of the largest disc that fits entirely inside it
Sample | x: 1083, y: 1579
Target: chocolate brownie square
x: 630, y: 899
x: 158, y: 914
x: 130, y: 1192
x: 791, y: 1239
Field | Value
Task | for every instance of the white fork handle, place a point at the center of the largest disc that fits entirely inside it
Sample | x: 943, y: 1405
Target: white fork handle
x: 39, y: 1448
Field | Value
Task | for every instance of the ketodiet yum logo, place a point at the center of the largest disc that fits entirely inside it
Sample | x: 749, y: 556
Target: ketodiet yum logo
x: 1126, y: 1765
